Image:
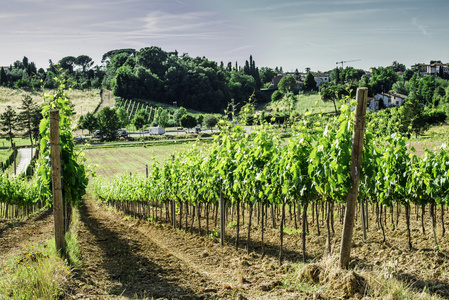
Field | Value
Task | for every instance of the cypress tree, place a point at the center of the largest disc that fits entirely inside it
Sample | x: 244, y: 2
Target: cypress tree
x: 3, y: 78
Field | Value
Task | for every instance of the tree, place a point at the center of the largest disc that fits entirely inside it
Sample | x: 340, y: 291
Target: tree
x: 89, y: 122
x: 426, y: 90
x: 68, y: 63
x: 29, y: 118
x: 143, y: 112
x: 412, y: 118
x: 309, y: 82
x: 3, y: 77
x: 382, y: 79
x: 266, y: 74
x: 8, y: 122
x: 153, y: 58
x: 277, y: 95
x: 287, y: 84
x: 333, y: 93
x: 139, y: 121
x: 401, y: 87
x: 161, y: 117
x: 407, y: 74
x: 179, y: 113
x: 397, y: 67
x: 188, y: 121
x: 210, y: 121
x: 200, y: 119
x: 108, y: 123
x: 123, y: 117
x: 85, y: 62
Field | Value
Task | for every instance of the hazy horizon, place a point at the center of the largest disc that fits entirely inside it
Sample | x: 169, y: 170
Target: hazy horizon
x: 290, y: 34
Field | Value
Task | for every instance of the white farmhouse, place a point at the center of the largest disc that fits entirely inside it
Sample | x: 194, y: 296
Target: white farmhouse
x: 388, y: 100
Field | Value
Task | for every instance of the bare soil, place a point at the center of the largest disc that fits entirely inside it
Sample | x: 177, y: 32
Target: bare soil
x: 126, y: 258
x: 107, y: 99
x: 130, y: 257
x: 17, y: 234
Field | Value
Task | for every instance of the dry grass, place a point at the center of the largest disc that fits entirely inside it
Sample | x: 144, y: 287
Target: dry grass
x: 327, y: 279
x: 84, y: 100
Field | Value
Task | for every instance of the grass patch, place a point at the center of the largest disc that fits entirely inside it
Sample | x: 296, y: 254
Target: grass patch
x: 72, y: 241
x: 308, y: 102
x: 289, y: 230
x: 4, y: 143
x: 108, y: 162
x: 38, y: 272
x: 311, y: 102
x: 4, y: 155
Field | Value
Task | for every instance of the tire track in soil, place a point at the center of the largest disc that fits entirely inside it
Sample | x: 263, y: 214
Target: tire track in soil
x: 121, y: 262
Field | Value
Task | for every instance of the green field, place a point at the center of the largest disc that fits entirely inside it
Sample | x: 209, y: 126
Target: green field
x: 107, y: 162
x: 308, y: 102
x: 5, y: 154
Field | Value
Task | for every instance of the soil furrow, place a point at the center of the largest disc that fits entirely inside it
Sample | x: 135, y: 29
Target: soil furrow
x: 121, y: 262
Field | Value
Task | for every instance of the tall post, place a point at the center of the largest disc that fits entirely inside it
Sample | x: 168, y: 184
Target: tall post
x: 222, y: 219
x: 351, y: 202
x: 56, y: 181
x: 173, y: 203
x: 222, y: 209
x: 14, y: 152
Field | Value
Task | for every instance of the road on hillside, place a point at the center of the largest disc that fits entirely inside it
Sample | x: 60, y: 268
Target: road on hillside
x: 26, y: 154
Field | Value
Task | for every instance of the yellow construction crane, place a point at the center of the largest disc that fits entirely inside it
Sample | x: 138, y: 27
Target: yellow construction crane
x: 346, y: 61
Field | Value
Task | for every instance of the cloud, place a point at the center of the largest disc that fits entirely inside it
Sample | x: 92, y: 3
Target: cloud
x: 234, y: 50
x: 192, y: 24
x: 420, y: 27
x: 9, y: 16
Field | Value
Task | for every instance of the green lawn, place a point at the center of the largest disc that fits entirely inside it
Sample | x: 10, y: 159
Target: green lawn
x: 313, y: 103
x: 308, y: 102
x: 18, y: 141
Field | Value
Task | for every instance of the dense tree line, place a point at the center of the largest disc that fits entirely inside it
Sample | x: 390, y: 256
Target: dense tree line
x: 149, y: 73
x: 196, y: 83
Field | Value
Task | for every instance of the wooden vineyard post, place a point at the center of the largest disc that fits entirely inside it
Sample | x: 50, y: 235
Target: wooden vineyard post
x: 222, y: 210
x: 14, y: 151
x: 351, y: 202
x: 56, y: 181
x: 222, y: 219
x: 173, y: 204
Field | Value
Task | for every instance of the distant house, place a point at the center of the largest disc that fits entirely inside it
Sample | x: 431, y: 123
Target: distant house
x: 434, y: 69
x: 320, y: 78
x: 275, y: 81
x: 438, y: 69
x: 387, y: 99
x: 421, y: 68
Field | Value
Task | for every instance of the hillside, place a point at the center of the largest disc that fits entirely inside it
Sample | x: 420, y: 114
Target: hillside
x: 84, y: 100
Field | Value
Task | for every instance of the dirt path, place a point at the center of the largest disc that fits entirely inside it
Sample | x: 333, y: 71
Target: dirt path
x: 119, y: 261
x: 16, y: 234
x: 124, y: 258
x: 106, y: 100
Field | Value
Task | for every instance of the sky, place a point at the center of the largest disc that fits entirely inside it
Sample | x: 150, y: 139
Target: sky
x: 292, y: 34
